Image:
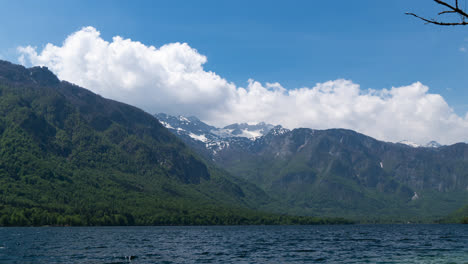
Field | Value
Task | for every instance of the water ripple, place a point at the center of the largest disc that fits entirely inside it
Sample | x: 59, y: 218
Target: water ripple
x: 237, y: 244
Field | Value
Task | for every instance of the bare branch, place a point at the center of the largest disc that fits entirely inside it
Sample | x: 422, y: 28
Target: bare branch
x: 446, y: 12
x: 453, y: 10
x: 432, y: 21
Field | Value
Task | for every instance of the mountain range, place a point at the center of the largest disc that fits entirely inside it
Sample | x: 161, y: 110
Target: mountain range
x: 215, y: 138
x: 71, y: 157
x: 336, y: 171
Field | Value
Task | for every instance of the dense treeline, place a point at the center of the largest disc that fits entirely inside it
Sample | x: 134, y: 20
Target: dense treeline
x: 39, y: 217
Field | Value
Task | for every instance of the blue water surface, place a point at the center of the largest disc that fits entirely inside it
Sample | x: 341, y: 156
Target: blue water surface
x: 236, y: 244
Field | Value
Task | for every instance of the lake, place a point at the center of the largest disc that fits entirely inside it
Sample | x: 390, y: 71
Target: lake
x: 236, y: 244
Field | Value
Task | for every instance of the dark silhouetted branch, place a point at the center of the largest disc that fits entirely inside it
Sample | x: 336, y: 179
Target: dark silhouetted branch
x: 453, y: 10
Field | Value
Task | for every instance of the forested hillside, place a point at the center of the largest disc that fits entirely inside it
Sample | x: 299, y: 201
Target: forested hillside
x: 71, y: 157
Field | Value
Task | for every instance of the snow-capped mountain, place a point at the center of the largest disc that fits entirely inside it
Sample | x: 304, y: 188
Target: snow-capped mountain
x: 244, y: 130
x: 193, y: 125
x: 431, y: 144
x: 213, y: 138
x: 185, y: 124
x: 409, y: 143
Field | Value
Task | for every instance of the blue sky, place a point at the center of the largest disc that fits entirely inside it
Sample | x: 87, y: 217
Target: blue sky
x: 295, y: 43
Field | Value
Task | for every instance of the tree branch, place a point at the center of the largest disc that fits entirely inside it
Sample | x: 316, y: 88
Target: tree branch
x: 432, y: 21
x: 453, y: 10
x: 446, y: 12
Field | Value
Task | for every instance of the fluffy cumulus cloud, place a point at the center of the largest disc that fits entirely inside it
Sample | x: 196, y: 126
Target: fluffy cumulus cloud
x: 172, y: 79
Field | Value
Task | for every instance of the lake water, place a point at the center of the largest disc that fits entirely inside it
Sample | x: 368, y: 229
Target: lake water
x: 237, y: 244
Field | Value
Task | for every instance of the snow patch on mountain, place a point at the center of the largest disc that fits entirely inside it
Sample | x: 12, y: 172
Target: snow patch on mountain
x: 222, y: 132
x: 433, y: 144
x: 226, y: 133
x: 183, y: 119
x: 201, y: 138
x: 409, y: 143
x: 251, y: 131
x: 167, y: 125
x: 278, y: 130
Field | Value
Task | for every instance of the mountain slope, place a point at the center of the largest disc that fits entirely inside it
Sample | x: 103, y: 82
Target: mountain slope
x: 209, y: 140
x: 69, y: 156
x: 341, y: 172
x: 459, y: 216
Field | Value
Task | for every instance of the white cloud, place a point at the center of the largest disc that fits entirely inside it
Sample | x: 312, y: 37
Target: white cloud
x: 172, y: 79
x: 462, y: 49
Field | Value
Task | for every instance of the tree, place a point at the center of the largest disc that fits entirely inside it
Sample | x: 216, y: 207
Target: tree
x: 451, y: 10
